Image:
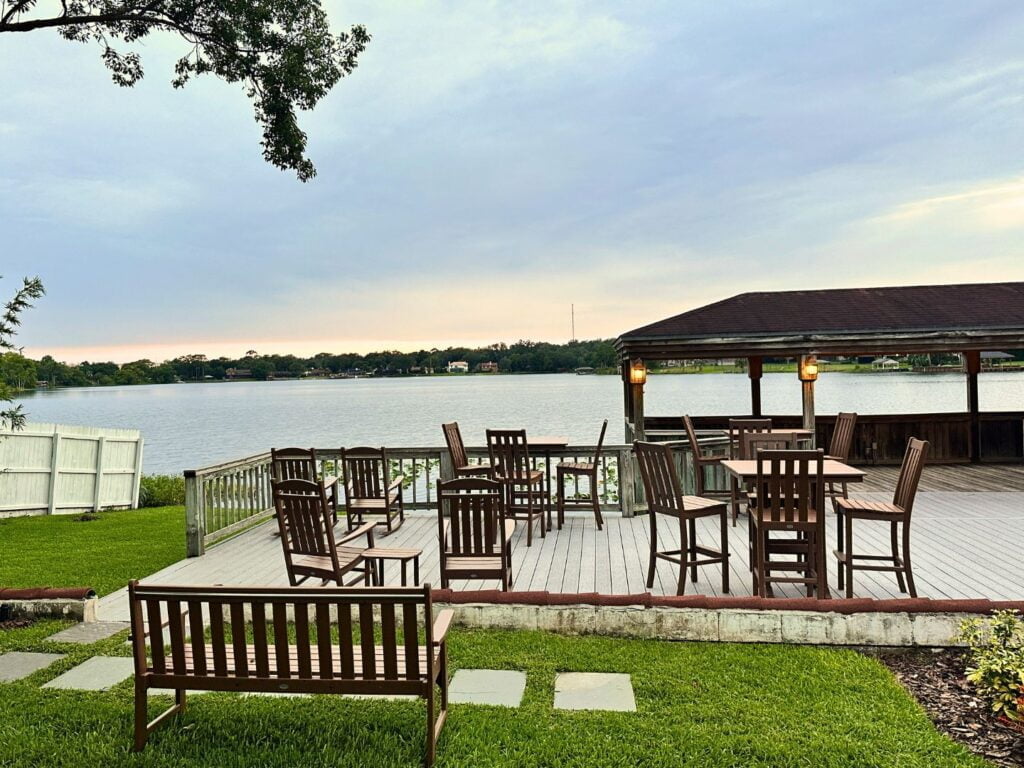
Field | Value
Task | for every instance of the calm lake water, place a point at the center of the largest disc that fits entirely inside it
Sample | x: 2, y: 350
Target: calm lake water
x: 192, y: 425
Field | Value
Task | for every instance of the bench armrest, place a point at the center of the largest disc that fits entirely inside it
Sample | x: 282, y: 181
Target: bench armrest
x: 397, y: 482
x: 441, y: 625
x: 365, y: 528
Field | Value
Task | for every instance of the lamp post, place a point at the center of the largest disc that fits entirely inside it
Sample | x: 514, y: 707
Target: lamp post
x: 637, y: 379
x: 807, y: 371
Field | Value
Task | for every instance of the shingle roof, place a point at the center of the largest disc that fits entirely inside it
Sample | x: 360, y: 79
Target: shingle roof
x: 746, y: 320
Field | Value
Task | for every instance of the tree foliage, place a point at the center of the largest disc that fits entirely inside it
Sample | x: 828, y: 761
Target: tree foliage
x: 282, y: 51
x: 31, y: 288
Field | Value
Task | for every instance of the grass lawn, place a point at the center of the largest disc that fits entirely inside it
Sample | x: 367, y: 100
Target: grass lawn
x: 60, y: 551
x: 698, y: 705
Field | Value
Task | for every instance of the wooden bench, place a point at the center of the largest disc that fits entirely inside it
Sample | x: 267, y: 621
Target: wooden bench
x: 248, y: 648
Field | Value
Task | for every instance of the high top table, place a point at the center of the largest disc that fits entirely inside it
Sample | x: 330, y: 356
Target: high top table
x: 745, y: 470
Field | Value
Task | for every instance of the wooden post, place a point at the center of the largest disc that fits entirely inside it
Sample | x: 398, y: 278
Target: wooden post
x: 972, y: 363
x: 627, y: 489
x: 637, y: 396
x: 754, y: 371
x: 51, y: 503
x: 99, y: 474
x: 195, y: 519
x: 807, y: 388
x: 446, y: 467
x: 627, y: 402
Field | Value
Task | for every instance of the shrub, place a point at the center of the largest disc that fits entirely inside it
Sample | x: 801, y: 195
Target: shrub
x: 996, y: 664
x: 161, y: 491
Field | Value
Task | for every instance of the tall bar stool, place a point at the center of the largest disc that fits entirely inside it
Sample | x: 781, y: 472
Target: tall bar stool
x: 576, y: 470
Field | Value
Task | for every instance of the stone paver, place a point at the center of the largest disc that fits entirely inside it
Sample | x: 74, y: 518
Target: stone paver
x: 499, y: 687
x: 87, y: 633
x: 100, y: 673
x: 594, y: 690
x: 18, y: 664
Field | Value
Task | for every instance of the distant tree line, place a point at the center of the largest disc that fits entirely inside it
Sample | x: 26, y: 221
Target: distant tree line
x: 521, y: 357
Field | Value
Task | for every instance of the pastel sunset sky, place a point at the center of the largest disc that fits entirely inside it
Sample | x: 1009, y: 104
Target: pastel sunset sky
x: 489, y: 164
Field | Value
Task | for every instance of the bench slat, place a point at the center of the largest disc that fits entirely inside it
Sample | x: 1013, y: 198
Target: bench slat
x: 302, y: 638
x: 412, y: 641
x: 238, y: 639
x: 345, y: 639
x: 177, y: 632
x: 220, y: 664
x: 367, y: 646
x: 259, y: 631
x: 281, y: 640
x: 389, y: 643
x: 323, y: 640
x: 197, y: 634
x: 156, y: 635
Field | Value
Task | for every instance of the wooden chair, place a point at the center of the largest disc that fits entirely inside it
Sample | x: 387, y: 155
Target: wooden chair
x: 701, y: 461
x: 896, y: 513
x: 337, y: 647
x: 523, y: 485
x: 303, y: 464
x: 369, y: 488
x: 789, y: 497
x: 738, y: 431
x: 474, y: 536
x: 307, y: 536
x: 839, y: 449
x: 576, y: 470
x: 665, y: 497
x: 457, y: 453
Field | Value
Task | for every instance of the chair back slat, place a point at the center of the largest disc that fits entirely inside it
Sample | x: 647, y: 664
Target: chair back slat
x: 600, y: 444
x: 842, y: 436
x: 293, y: 463
x: 241, y: 643
x: 473, y: 508
x: 739, y: 428
x: 456, y: 448
x: 768, y: 441
x: 789, y: 485
x: 910, y: 475
x: 691, y: 435
x: 509, y: 453
x: 366, y: 472
x: 661, y: 483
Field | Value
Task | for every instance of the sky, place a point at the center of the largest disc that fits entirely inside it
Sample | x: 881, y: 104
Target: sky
x: 488, y: 165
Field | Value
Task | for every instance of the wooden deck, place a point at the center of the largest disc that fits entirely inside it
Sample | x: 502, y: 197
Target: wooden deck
x: 966, y: 544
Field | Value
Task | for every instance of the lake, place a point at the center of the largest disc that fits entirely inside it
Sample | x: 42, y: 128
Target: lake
x: 192, y: 425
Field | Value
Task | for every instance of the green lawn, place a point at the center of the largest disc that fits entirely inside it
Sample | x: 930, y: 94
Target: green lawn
x: 61, y: 551
x: 699, y: 705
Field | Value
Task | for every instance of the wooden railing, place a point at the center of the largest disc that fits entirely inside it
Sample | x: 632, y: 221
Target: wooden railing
x: 225, y: 499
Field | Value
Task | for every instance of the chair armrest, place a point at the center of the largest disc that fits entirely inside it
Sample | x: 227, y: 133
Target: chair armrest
x: 365, y: 528
x: 328, y: 480
x: 397, y: 482
x: 441, y: 625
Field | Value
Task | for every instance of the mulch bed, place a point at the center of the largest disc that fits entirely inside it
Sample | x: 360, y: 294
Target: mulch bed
x: 15, y: 624
x: 936, y: 679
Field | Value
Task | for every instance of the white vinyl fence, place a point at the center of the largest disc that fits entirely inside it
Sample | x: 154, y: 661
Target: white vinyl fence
x: 48, y: 469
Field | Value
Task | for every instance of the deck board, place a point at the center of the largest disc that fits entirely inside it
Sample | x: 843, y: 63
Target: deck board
x: 965, y: 544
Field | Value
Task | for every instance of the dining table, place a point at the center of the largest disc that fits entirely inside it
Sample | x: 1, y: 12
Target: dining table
x: 545, y: 444
x: 833, y: 471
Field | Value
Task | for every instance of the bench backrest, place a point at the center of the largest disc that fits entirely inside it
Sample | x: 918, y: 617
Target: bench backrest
x: 333, y: 637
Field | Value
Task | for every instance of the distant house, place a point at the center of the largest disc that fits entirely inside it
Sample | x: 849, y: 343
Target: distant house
x: 488, y: 367
x: 885, y: 364
x: 458, y: 366
x: 994, y: 359
x: 238, y: 373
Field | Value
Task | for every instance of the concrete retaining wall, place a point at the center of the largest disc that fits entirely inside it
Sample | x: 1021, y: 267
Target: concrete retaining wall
x: 60, y: 608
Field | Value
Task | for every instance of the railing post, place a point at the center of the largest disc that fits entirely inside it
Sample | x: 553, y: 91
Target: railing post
x: 99, y: 474
x: 627, y: 488
x: 137, y: 480
x: 447, y: 470
x: 195, y: 517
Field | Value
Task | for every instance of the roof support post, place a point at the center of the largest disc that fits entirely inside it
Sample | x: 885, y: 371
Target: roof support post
x: 754, y: 371
x: 972, y: 364
x: 807, y: 389
x: 627, y: 402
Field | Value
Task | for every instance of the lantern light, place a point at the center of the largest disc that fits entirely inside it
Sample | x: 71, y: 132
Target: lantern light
x: 808, y: 368
x: 637, y: 372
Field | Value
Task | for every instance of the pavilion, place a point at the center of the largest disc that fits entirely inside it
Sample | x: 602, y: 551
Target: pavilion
x: 967, y: 319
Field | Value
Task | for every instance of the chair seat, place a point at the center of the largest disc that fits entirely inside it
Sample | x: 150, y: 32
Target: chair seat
x: 695, y: 503
x: 865, y: 508
x: 764, y: 516
x: 472, y: 564
x: 532, y: 476
x: 347, y: 557
x: 479, y: 469
x: 374, y: 503
x: 576, y: 466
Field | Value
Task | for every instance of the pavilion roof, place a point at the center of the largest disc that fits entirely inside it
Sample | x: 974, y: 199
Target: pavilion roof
x: 840, y: 321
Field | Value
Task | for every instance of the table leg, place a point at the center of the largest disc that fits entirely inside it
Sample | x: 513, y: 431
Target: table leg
x: 416, y: 571
x: 403, y: 573
x: 823, y: 593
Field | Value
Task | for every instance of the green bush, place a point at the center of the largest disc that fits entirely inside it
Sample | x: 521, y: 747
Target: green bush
x: 162, y: 491
x: 996, y: 666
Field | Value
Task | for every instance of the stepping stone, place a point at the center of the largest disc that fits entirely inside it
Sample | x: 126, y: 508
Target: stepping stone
x: 88, y: 633
x: 100, y: 673
x: 594, y: 690
x: 502, y: 688
x: 19, y: 664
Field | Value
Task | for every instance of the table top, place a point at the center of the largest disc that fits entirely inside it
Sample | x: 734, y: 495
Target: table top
x: 547, y: 441
x: 832, y: 471
x: 783, y: 431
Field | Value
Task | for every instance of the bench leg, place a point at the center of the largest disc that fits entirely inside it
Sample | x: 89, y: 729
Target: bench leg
x: 141, y: 731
